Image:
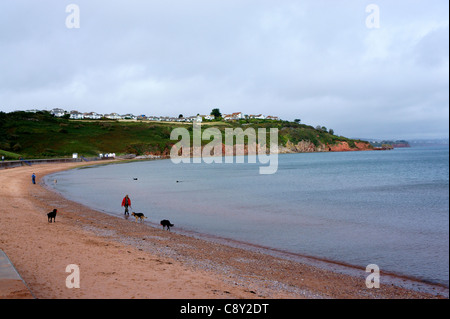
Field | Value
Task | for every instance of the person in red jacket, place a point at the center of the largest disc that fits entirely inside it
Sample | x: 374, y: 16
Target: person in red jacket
x: 125, y: 203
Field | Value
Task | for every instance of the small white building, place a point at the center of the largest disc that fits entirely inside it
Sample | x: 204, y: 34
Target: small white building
x: 75, y: 115
x: 258, y: 116
x: 113, y: 116
x: 190, y: 118
x: 237, y: 116
x: 92, y: 116
x: 58, y: 112
x: 129, y: 117
x: 233, y: 116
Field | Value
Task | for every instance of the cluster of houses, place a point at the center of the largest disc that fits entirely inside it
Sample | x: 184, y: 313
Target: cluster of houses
x: 240, y: 116
x: 115, y: 116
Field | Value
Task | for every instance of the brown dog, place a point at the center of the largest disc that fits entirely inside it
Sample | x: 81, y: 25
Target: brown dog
x: 139, y: 216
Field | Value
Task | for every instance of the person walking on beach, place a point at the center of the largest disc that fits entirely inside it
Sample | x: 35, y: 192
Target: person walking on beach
x: 125, y: 203
x: 33, y: 178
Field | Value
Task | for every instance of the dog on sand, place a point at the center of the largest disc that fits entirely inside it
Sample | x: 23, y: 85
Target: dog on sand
x: 138, y: 216
x: 52, y: 215
x: 166, y: 223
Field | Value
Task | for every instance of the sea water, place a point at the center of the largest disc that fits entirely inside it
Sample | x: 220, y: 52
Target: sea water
x: 389, y: 208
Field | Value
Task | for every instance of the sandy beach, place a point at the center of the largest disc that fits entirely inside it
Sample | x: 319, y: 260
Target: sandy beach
x: 120, y: 258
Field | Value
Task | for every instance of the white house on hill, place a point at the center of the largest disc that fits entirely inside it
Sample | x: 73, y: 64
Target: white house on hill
x: 92, y: 116
x: 233, y: 116
x: 75, y: 115
x: 58, y: 112
x: 129, y: 117
x: 113, y: 116
x: 258, y: 116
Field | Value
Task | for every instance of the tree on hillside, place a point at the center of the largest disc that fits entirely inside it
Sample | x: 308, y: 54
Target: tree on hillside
x: 331, y: 131
x: 297, y: 121
x: 321, y: 128
x: 216, y: 113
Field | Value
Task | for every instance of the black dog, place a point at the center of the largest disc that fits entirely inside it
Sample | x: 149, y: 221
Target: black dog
x: 166, y: 223
x: 52, y: 215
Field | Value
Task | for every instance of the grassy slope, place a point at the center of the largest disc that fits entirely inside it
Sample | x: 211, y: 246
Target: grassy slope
x: 40, y: 135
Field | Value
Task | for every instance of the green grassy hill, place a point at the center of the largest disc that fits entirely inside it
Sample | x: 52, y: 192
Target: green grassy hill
x: 40, y: 135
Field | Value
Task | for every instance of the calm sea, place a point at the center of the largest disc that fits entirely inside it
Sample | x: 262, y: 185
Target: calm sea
x: 389, y: 208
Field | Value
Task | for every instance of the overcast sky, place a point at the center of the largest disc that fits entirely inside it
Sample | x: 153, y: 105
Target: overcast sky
x: 315, y: 60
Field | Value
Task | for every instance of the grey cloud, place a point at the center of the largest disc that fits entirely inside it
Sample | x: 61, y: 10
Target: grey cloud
x: 313, y: 60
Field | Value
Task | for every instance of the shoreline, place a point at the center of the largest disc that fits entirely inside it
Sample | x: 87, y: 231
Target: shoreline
x: 142, y: 261
x: 393, y: 278
x: 389, y: 277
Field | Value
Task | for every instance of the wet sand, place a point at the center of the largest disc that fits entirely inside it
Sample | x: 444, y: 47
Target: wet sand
x: 120, y: 258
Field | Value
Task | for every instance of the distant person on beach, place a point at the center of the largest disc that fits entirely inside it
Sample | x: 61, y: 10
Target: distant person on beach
x: 3, y: 158
x: 125, y: 203
x: 33, y: 178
